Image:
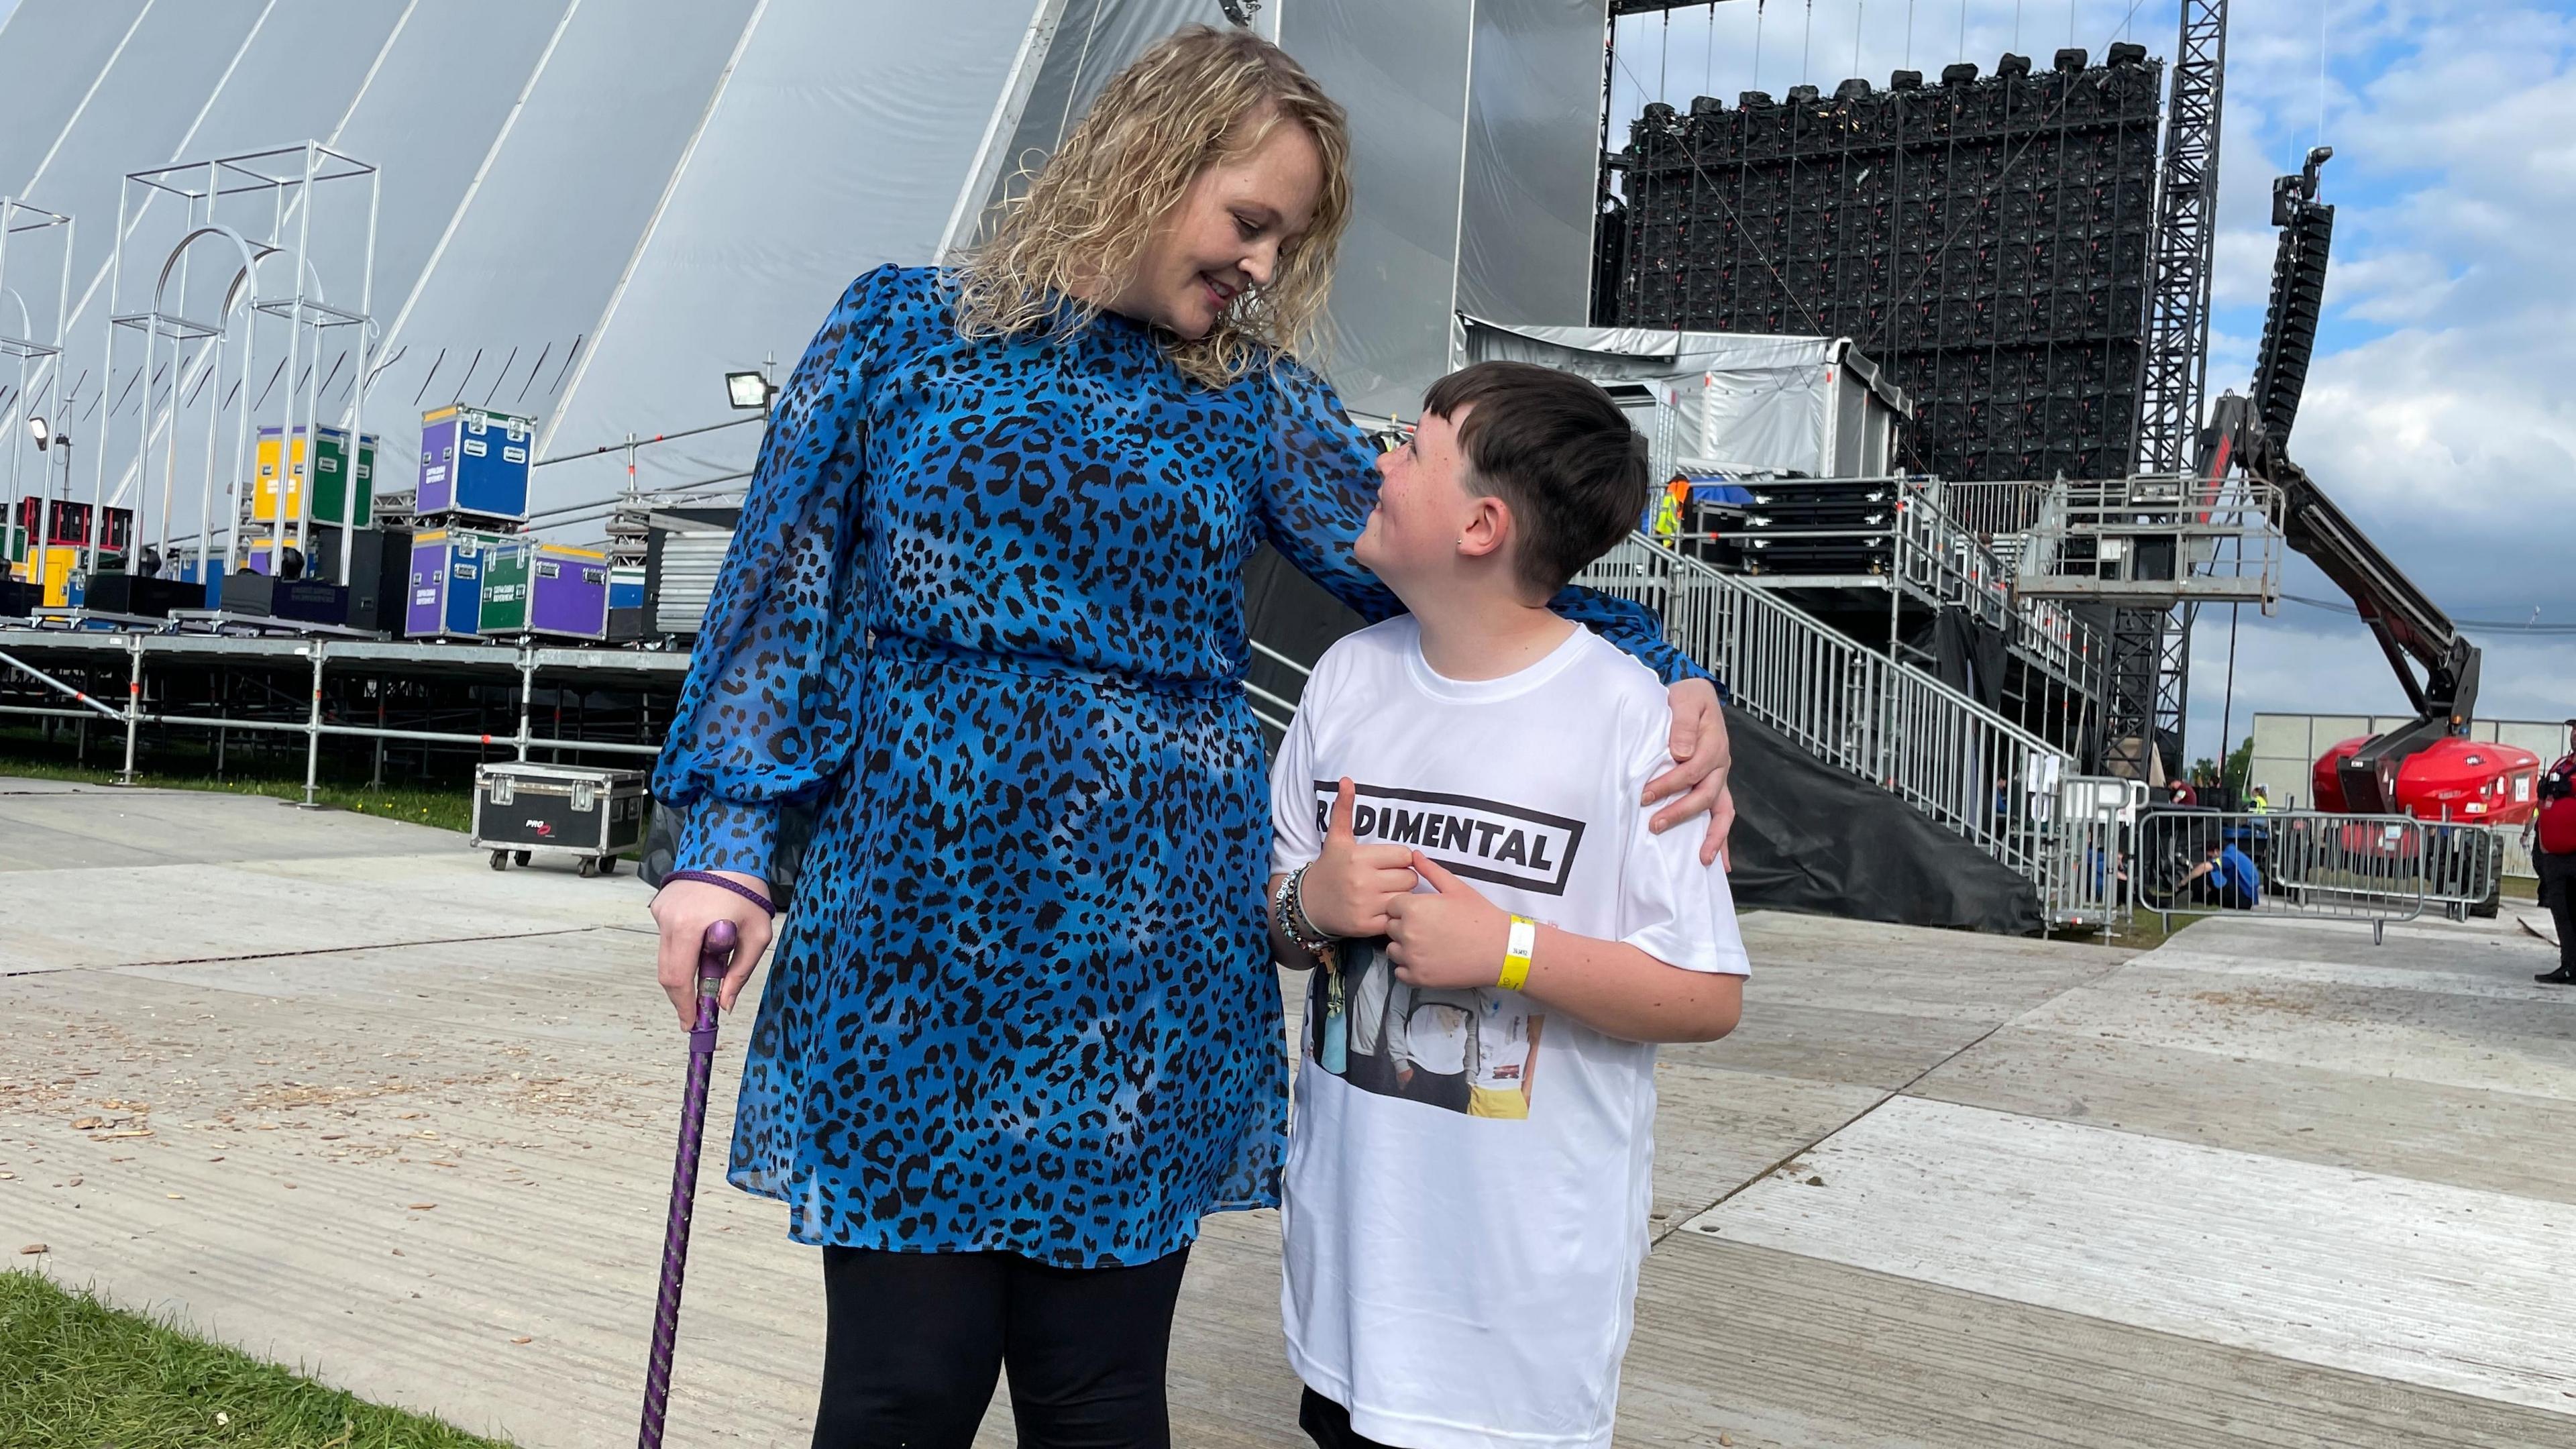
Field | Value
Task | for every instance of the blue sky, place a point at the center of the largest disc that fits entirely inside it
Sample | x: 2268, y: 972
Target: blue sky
x: 2439, y: 412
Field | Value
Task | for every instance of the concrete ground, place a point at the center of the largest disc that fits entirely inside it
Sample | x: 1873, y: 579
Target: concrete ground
x: 327, y: 1088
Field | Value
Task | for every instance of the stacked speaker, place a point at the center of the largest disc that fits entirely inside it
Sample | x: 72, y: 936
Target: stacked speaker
x: 2298, y: 300
x: 1985, y: 237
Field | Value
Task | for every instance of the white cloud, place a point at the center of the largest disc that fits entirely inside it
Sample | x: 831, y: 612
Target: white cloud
x: 2397, y: 287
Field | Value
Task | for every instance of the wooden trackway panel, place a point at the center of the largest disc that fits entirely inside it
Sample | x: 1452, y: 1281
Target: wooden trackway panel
x: 1780, y: 1351
x: 2420, y: 1282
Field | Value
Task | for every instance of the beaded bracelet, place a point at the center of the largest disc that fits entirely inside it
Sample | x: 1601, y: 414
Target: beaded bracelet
x: 1288, y: 908
x: 708, y: 877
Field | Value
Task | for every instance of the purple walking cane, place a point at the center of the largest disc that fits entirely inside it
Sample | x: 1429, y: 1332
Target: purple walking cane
x: 713, y: 955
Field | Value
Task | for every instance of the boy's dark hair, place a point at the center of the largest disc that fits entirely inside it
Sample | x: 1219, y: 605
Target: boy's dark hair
x: 1558, y: 451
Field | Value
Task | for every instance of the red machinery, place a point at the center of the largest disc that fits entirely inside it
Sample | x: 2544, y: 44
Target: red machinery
x: 2476, y: 782
x: 2428, y: 767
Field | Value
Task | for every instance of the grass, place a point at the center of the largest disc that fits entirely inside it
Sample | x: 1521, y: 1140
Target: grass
x: 446, y: 809
x: 26, y: 755
x: 82, y: 1375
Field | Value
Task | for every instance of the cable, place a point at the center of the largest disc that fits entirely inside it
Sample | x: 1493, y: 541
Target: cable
x: 1757, y: 39
x: 2506, y: 626
x: 1073, y: 88
x: 2227, y: 709
x: 1708, y: 51
x: 2322, y: 6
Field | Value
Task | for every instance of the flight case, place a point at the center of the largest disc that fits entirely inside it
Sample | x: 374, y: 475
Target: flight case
x: 521, y: 808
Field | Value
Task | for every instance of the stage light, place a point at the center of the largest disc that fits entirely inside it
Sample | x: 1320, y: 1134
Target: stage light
x: 748, y: 391
x: 43, y: 434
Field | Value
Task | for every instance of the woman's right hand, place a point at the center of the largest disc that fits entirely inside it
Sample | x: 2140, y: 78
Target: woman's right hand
x: 1347, y: 889
x: 684, y: 909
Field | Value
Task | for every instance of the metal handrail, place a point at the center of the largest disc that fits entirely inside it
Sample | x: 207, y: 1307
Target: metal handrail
x: 1936, y: 555
x: 2156, y: 539
x: 1975, y: 772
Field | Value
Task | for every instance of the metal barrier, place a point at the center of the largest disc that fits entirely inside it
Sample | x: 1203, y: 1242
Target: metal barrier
x: 2464, y: 867
x: 2085, y: 885
x: 2375, y: 868
x: 2517, y: 862
x: 1972, y: 770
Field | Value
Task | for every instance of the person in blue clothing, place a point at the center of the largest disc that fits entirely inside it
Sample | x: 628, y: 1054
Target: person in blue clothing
x: 984, y: 617
x: 2225, y: 877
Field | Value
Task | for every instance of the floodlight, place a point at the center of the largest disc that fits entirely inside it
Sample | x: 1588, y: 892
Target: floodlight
x: 43, y: 434
x: 748, y: 391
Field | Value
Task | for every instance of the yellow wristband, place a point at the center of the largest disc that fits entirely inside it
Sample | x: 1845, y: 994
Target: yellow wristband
x: 1516, y: 954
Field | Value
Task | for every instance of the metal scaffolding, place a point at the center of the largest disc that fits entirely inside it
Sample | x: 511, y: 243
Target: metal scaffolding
x: 2174, y: 377
x: 263, y: 212
x: 81, y: 670
x: 33, y: 242
x: 2175, y: 372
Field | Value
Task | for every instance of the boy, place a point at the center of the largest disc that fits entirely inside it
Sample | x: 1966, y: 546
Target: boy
x: 1458, y: 843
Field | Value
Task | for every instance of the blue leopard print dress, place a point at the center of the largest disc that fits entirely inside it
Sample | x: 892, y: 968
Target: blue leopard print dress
x: 985, y: 612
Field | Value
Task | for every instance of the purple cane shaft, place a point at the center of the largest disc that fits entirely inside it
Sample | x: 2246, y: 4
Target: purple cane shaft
x: 713, y: 956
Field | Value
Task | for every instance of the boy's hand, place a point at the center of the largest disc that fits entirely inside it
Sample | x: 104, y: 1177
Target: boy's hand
x: 1350, y: 886
x: 1450, y: 940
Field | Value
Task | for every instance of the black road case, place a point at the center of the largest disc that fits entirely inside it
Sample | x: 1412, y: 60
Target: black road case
x: 591, y: 814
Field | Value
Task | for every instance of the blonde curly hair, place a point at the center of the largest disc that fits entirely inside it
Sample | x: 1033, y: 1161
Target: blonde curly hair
x: 1198, y: 96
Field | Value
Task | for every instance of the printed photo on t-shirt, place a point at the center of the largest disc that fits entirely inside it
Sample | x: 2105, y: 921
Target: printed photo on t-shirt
x: 1472, y: 1051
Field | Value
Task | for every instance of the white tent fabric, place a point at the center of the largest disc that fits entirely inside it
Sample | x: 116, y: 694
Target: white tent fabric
x: 1532, y: 162
x: 640, y: 71
x: 1808, y: 404
x: 829, y: 152
x: 1403, y: 75
x: 590, y: 209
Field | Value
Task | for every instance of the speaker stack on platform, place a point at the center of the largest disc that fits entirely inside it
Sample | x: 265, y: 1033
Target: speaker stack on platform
x: 1986, y: 238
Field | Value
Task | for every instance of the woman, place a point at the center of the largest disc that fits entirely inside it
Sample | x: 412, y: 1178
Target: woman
x: 984, y: 611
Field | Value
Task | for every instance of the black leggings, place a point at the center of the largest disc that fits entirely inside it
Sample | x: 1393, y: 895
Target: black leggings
x: 916, y: 1339
x: 1329, y: 1424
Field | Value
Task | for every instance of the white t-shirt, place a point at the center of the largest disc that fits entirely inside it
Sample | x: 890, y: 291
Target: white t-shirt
x: 1468, y: 1179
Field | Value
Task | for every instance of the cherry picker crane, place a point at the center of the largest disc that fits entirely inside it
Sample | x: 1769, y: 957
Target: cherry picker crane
x: 2427, y: 767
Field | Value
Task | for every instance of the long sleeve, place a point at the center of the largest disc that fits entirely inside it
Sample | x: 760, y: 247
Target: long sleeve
x: 1318, y: 493
x: 1319, y: 488
x: 767, y: 712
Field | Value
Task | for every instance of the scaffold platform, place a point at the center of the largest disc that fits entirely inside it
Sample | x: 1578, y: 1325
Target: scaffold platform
x: 521, y: 699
